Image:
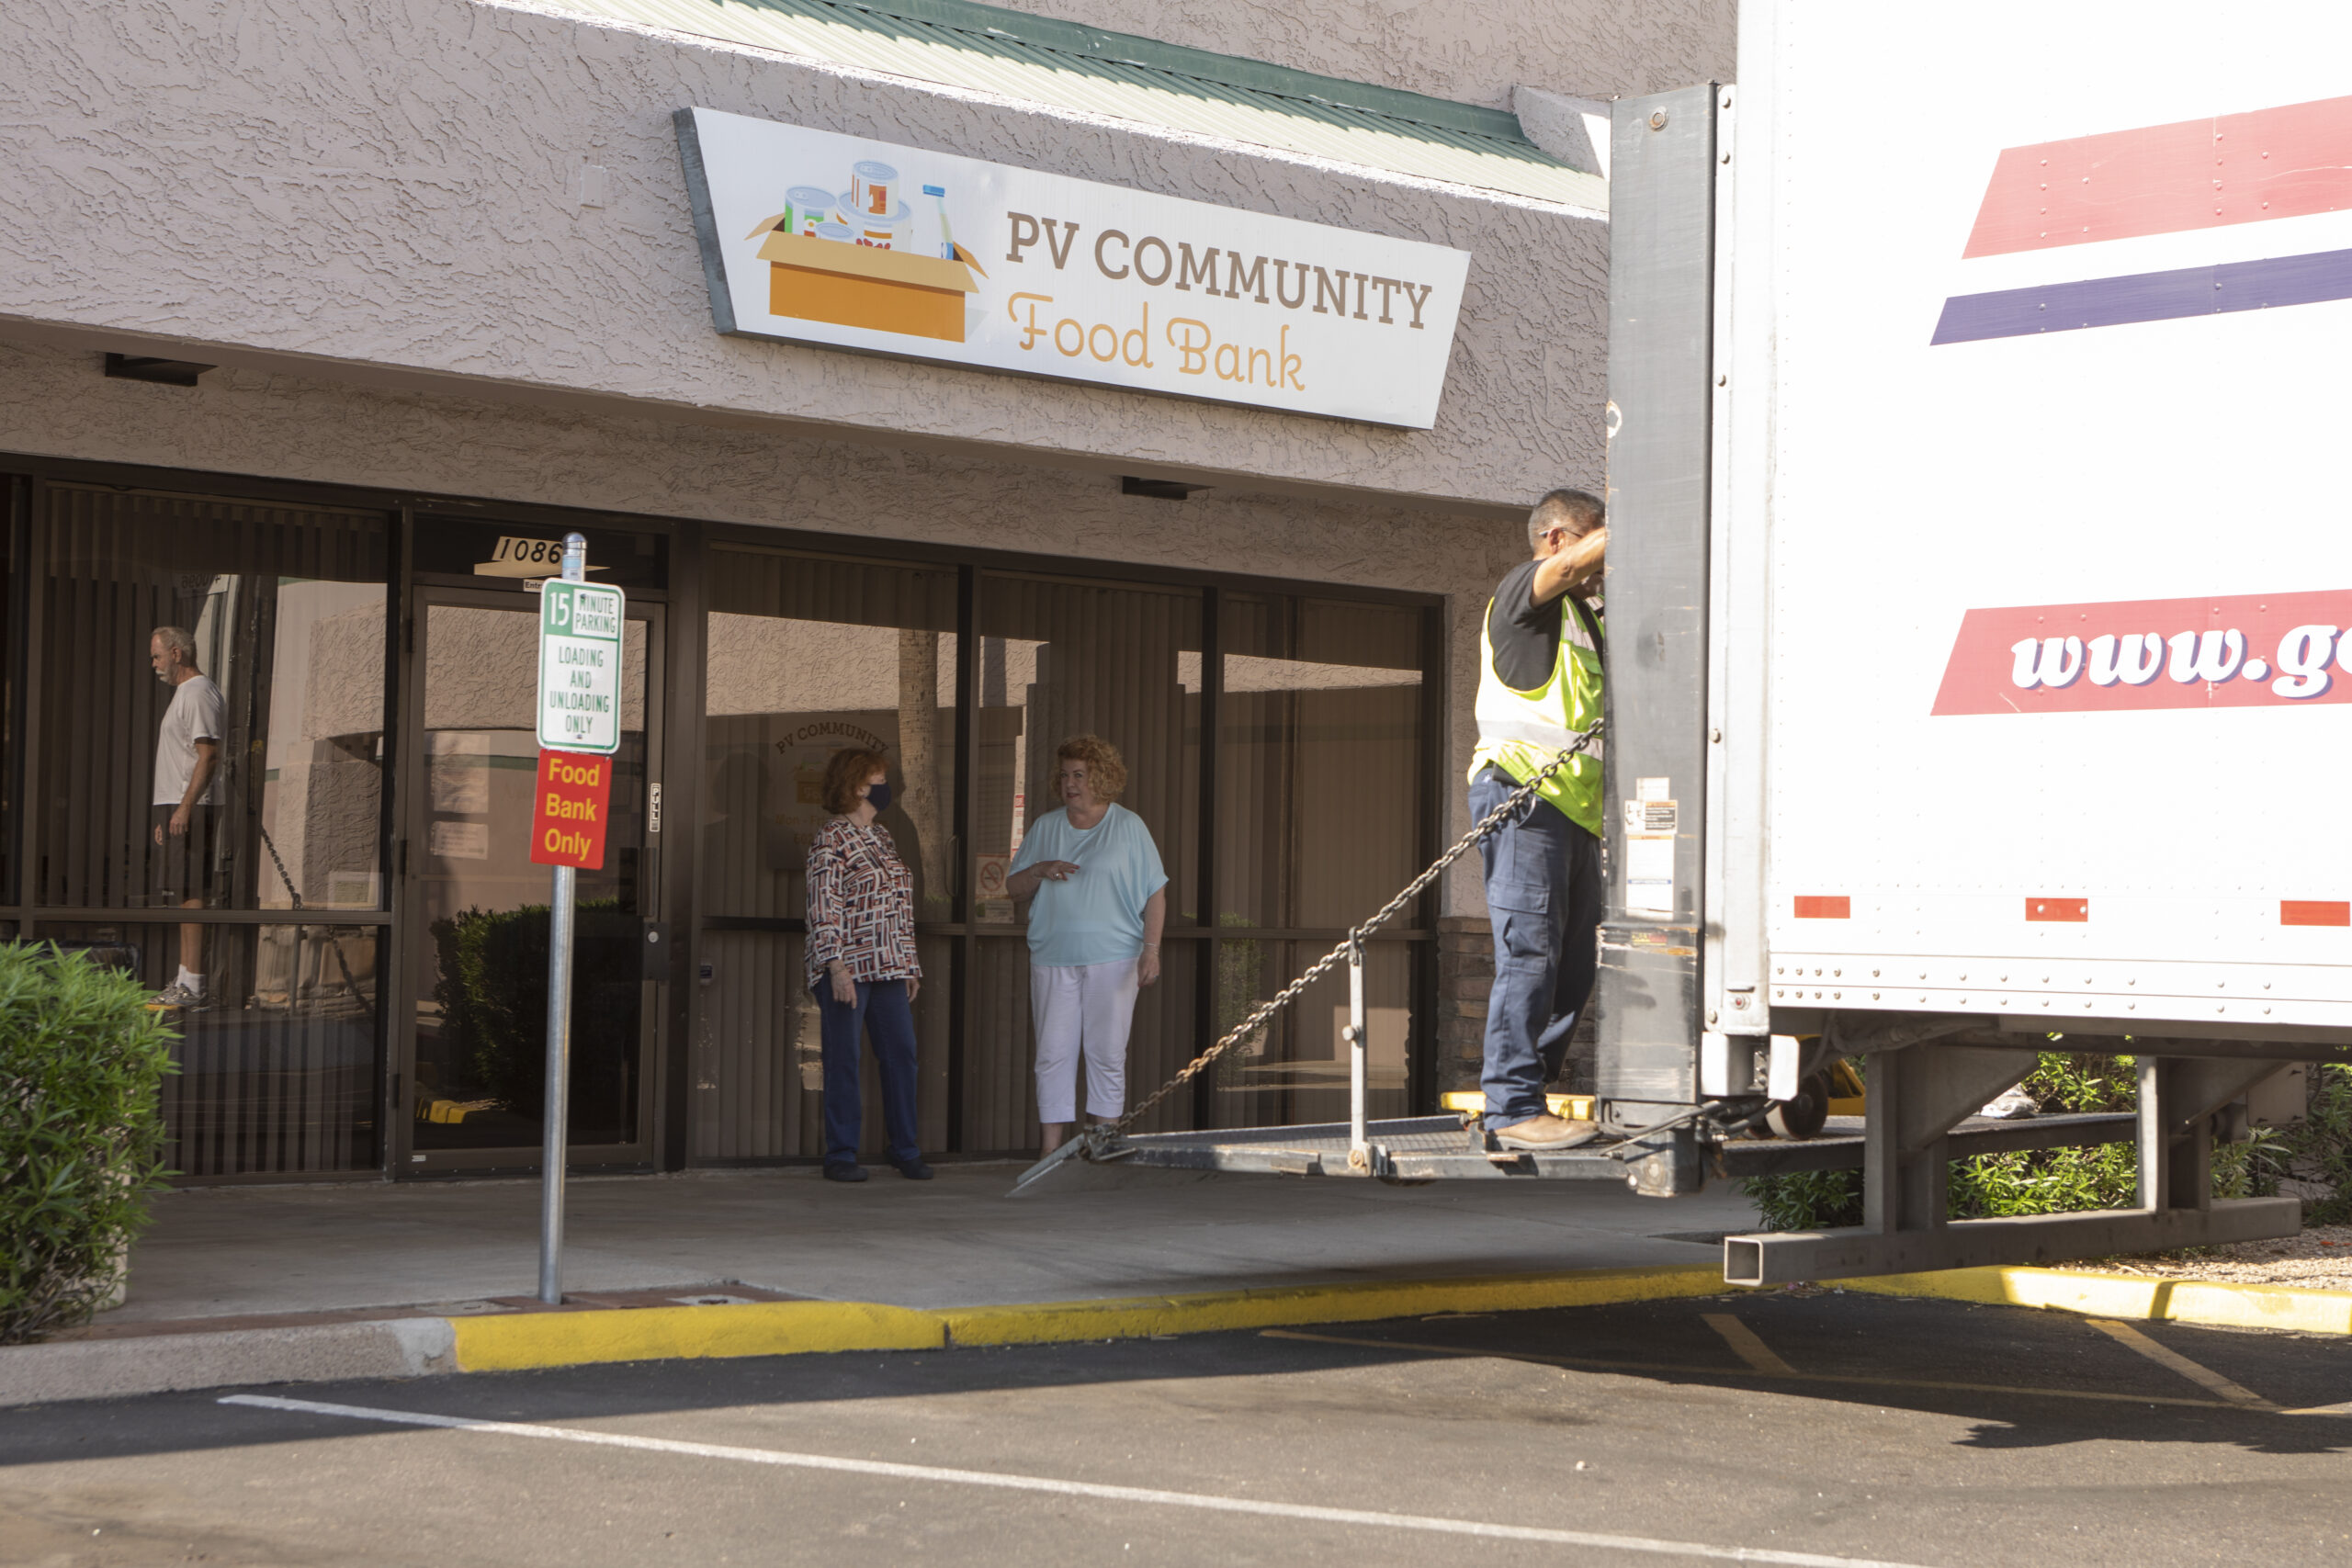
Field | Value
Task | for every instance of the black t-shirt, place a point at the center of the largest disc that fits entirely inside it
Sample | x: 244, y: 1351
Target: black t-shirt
x: 1526, y: 635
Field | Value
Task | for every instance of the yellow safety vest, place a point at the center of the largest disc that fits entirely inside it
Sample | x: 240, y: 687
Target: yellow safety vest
x: 1521, y: 731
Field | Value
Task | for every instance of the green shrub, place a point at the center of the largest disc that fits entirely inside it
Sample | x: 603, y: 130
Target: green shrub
x: 2319, y: 1150
x: 2039, y: 1181
x: 82, y: 1060
x: 2063, y: 1180
x: 1808, y: 1200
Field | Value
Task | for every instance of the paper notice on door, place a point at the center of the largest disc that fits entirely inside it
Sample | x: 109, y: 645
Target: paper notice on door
x: 1649, y: 874
x: 1652, y: 816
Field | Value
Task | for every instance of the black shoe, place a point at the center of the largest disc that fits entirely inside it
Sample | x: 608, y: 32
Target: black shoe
x: 844, y: 1173
x: 913, y: 1170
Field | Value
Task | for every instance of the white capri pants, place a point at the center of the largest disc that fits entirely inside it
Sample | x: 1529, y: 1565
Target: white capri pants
x: 1082, y: 1006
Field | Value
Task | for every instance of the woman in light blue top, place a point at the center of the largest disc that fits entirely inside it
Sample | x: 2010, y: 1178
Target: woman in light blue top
x: 1101, y: 900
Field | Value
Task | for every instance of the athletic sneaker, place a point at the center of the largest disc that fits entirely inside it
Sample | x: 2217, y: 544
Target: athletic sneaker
x: 178, y: 996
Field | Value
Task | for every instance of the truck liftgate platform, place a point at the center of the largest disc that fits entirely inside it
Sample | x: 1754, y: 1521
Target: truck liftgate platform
x: 1921, y: 1116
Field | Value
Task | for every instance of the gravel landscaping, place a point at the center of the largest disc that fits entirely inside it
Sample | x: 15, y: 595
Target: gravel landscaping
x: 2319, y: 1258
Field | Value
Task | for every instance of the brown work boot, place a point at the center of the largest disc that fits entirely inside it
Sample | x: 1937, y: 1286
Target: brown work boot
x: 1545, y: 1131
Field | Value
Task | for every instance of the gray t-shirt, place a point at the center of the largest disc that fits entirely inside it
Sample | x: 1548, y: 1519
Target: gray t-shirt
x: 194, y: 714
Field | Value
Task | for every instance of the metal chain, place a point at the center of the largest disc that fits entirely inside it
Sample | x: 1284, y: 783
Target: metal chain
x: 1389, y: 912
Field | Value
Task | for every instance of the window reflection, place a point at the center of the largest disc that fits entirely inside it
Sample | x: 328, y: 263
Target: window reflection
x: 280, y: 1074
x: 285, y: 609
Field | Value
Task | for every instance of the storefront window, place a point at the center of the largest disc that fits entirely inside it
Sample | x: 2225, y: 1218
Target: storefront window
x: 809, y: 656
x: 284, y: 610
x: 208, y: 738
x: 1060, y: 658
x: 282, y: 1081
x: 1320, y: 801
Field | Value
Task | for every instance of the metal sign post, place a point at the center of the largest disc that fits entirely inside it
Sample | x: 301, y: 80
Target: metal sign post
x: 580, y: 705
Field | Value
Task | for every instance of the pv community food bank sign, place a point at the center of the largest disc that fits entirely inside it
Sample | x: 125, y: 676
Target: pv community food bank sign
x: 811, y: 237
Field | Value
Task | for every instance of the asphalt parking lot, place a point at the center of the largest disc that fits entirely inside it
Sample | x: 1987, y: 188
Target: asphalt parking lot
x: 1796, y: 1428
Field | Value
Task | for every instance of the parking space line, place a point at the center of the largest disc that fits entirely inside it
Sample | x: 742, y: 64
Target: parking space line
x: 1745, y: 1345
x: 1212, y: 1501
x: 2163, y: 1356
x: 1855, y: 1379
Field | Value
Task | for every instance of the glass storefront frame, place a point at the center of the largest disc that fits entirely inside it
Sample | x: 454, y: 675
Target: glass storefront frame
x: 676, y: 769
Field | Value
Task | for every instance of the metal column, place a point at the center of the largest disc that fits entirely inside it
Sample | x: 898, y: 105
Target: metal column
x: 1661, y: 330
x: 559, y: 1063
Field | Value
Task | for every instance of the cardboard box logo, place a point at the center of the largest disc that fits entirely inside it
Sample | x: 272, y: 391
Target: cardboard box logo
x: 859, y: 286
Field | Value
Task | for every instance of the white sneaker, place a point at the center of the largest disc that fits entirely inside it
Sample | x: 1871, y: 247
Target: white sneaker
x: 178, y: 996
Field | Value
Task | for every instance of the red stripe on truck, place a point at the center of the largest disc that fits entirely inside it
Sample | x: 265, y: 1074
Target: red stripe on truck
x: 2057, y: 909
x: 2287, y: 161
x: 2315, y: 912
x: 2282, y: 651
x: 1815, y: 907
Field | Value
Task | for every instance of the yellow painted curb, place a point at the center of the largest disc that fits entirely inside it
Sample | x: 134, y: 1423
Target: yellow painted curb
x: 2212, y: 1303
x: 512, y: 1341
x: 1132, y: 1317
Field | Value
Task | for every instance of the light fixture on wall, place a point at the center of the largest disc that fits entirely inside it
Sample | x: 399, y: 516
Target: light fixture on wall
x: 1158, y: 489
x: 163, y: 372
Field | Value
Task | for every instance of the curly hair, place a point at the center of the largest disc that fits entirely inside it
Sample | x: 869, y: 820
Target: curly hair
x: 845, y: 772
x: 1106, y: 771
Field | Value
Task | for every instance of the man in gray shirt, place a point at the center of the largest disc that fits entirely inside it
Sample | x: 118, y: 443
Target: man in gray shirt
x: 186, y: 822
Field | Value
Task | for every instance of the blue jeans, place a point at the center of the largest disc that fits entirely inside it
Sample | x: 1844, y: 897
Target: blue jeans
x: 882, y: 1014
x: 1544, y: 896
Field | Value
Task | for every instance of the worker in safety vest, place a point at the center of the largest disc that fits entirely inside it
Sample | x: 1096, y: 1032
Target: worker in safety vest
x: 1539, y: 686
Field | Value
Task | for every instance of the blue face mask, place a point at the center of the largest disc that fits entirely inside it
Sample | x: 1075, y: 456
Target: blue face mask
x: 878, y: 795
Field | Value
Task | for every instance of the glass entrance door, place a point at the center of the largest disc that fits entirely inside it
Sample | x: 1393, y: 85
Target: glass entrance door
x: 475, y: 911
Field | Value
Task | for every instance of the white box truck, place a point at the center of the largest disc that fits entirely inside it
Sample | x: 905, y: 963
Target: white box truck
x: 1974, y: 467
x: 1979, y: 616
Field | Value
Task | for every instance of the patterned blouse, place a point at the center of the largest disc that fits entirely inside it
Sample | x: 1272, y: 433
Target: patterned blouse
x: 861, y: 904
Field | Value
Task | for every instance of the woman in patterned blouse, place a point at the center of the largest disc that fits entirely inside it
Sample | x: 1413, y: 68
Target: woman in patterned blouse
x: 862, y: 964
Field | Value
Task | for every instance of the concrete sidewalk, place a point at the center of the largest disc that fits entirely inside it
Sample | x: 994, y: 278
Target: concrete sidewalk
x: 272, y: 1284
x: 958, y: 1241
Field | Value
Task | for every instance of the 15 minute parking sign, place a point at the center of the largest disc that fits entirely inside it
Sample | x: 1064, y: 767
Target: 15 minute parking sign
x: 580, y: 668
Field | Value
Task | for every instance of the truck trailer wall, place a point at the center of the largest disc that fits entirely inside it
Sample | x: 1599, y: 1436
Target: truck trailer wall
x: 2039, y: 356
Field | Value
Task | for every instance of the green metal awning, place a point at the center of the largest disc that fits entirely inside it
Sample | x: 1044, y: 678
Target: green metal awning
x: 1071, y: 67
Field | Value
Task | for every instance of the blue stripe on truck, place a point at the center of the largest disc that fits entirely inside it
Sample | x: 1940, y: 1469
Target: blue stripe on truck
x: 2147, y: 296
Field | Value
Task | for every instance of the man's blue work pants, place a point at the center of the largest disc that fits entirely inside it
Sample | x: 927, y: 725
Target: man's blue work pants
x: 882, y: 1014
x: 1544, y: 896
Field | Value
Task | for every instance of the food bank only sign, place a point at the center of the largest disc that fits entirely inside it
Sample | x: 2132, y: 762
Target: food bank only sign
x: 811, y: 237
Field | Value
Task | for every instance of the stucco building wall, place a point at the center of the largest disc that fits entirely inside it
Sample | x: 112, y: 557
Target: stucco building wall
x: 388, y: 194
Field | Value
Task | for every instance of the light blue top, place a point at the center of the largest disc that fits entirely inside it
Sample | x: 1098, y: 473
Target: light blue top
x: 1097, y: 916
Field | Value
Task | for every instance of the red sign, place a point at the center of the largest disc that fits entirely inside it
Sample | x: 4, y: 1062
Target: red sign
x: 568, y: 807
x: 2242, y: 650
